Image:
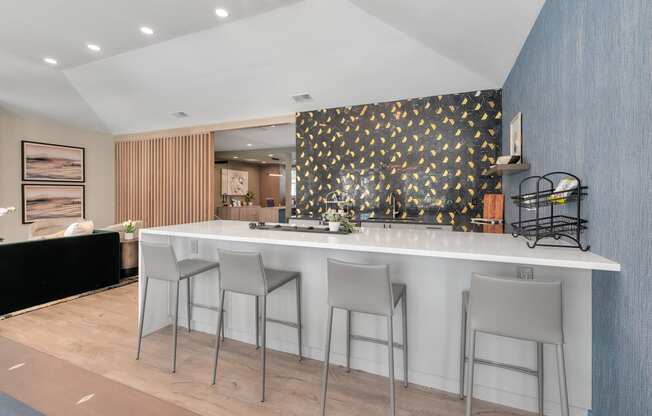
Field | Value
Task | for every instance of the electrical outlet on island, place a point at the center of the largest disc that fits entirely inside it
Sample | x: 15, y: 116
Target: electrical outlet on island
x: 525, y: 273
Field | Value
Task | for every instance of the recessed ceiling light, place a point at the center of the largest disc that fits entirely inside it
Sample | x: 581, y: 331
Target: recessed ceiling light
x: 221, y: 13
x: 303, y: 97
x: 271, y: 155
x: 235, y: 157
x: 249, y: 144
x: 50, y: 61
x: 93, y: 47
x: 147, y: 30
x: 264, y: 161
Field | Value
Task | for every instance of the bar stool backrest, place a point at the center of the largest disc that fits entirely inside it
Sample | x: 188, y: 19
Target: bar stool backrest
x: 517, y: 308
x: 242, y: 272
x: 160, y: 262
x: 360, y: 287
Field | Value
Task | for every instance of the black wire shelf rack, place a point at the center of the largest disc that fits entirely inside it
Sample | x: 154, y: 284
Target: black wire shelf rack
x: 548, y: 228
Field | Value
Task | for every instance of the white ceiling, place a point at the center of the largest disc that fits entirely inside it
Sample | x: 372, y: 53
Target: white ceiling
x: 342, y: 52
x: 268, y: 137
x: 34, y: 29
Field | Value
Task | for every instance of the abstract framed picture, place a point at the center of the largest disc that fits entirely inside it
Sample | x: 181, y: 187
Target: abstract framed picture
x: 235, y: 182
x: 516, y: 135
x: 53, y: 201
x: 45, y: 162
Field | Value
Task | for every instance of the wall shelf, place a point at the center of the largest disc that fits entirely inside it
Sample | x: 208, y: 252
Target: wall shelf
x: 499, y: 170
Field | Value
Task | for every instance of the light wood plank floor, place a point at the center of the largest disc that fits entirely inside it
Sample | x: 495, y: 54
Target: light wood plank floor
x: 98, y: 333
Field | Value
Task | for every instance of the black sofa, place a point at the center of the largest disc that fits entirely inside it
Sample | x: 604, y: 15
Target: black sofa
x: 36, y: 272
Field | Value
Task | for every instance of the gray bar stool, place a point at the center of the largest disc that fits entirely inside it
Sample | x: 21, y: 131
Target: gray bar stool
x: 365, y: 289
x: 243, y: 272
x: 517, y: 309
x: 538, y: 373
x: 161, y: 263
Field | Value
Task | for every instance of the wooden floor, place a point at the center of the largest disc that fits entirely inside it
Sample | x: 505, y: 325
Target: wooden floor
x: 98, y: 334
x: 54, y: 387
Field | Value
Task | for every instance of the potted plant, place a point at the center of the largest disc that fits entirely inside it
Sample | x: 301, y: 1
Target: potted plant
x: 129, y: 228
x: 334, y: 218
x: 248, y: 197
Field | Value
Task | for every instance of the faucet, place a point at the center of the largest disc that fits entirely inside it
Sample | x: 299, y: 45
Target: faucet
x: 393, y: 201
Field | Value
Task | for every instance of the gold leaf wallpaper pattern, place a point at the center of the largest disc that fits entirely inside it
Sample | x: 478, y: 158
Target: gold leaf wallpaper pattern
x: 431, y: 152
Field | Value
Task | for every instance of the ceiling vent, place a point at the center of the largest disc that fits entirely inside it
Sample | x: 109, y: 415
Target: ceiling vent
x: 302, y: 98
x: 180, y: 114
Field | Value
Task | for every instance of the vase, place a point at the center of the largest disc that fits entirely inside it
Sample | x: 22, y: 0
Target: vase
x: 334, y: 226
x: 129, y: 236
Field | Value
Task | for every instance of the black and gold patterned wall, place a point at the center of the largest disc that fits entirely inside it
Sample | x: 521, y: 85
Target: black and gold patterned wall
x: 431, y: 152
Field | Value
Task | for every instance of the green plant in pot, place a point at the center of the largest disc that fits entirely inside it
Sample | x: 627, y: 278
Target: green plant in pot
x: 129, y: 228
x: 338, y: 220
x: 249, y: 197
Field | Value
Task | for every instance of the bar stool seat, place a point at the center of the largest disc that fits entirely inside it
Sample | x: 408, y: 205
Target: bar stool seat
x: 277, y: 278
x: 191, y: 267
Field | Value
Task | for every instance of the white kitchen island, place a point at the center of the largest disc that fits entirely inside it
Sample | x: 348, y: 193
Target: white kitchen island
x: 436, y: 266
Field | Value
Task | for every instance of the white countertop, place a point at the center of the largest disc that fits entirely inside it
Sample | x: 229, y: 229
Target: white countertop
x: 502, y: 248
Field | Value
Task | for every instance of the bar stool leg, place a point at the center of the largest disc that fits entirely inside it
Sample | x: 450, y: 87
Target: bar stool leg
x: 563, y: 388
x: 390, y: 349
x: 174, y: 330
x: 540, y: 376
x: 257, y: 323
x: 142, y: 317
x: 327, y: 352
x: 264, y: 350
x: 298, y: 289
x: 465, y: 302
x: 221, y: 309
x: 471, y: 366
x: 189, y: 307
x: 217, y: 334
x: 348, y: 341
x: 221, y: 306
x: 405, y: 340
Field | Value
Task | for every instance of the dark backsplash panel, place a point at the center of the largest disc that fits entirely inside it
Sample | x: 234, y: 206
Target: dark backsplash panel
x: 430, y: 151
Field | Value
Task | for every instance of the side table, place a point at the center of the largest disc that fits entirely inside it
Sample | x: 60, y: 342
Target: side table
x: 128, y: 257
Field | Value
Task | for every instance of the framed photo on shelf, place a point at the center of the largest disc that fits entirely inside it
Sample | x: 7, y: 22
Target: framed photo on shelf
x: 53, y: 201
x: 46, y: 162
x: 516, y: 136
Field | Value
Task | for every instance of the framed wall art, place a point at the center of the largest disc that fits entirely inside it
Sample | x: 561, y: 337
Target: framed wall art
x: 45, y: 162
x: 516, y: 136
x: 235, y: 182
x: 52, y: 201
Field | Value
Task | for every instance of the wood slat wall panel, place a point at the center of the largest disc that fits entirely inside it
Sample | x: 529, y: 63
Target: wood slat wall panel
x: 165, y: 181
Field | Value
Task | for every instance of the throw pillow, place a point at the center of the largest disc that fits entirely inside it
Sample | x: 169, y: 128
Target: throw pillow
x: 79, y: 228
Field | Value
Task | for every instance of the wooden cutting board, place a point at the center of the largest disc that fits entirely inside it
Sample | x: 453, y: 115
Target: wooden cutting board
x: 494, y: 208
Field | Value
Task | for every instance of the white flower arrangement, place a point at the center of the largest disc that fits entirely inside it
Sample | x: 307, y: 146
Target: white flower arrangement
x: 340, y: 220
x: 332, y: 215
x: 6, y: 211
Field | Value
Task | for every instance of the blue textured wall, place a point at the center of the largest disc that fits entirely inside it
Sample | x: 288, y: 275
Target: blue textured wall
x: 583, y: 82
